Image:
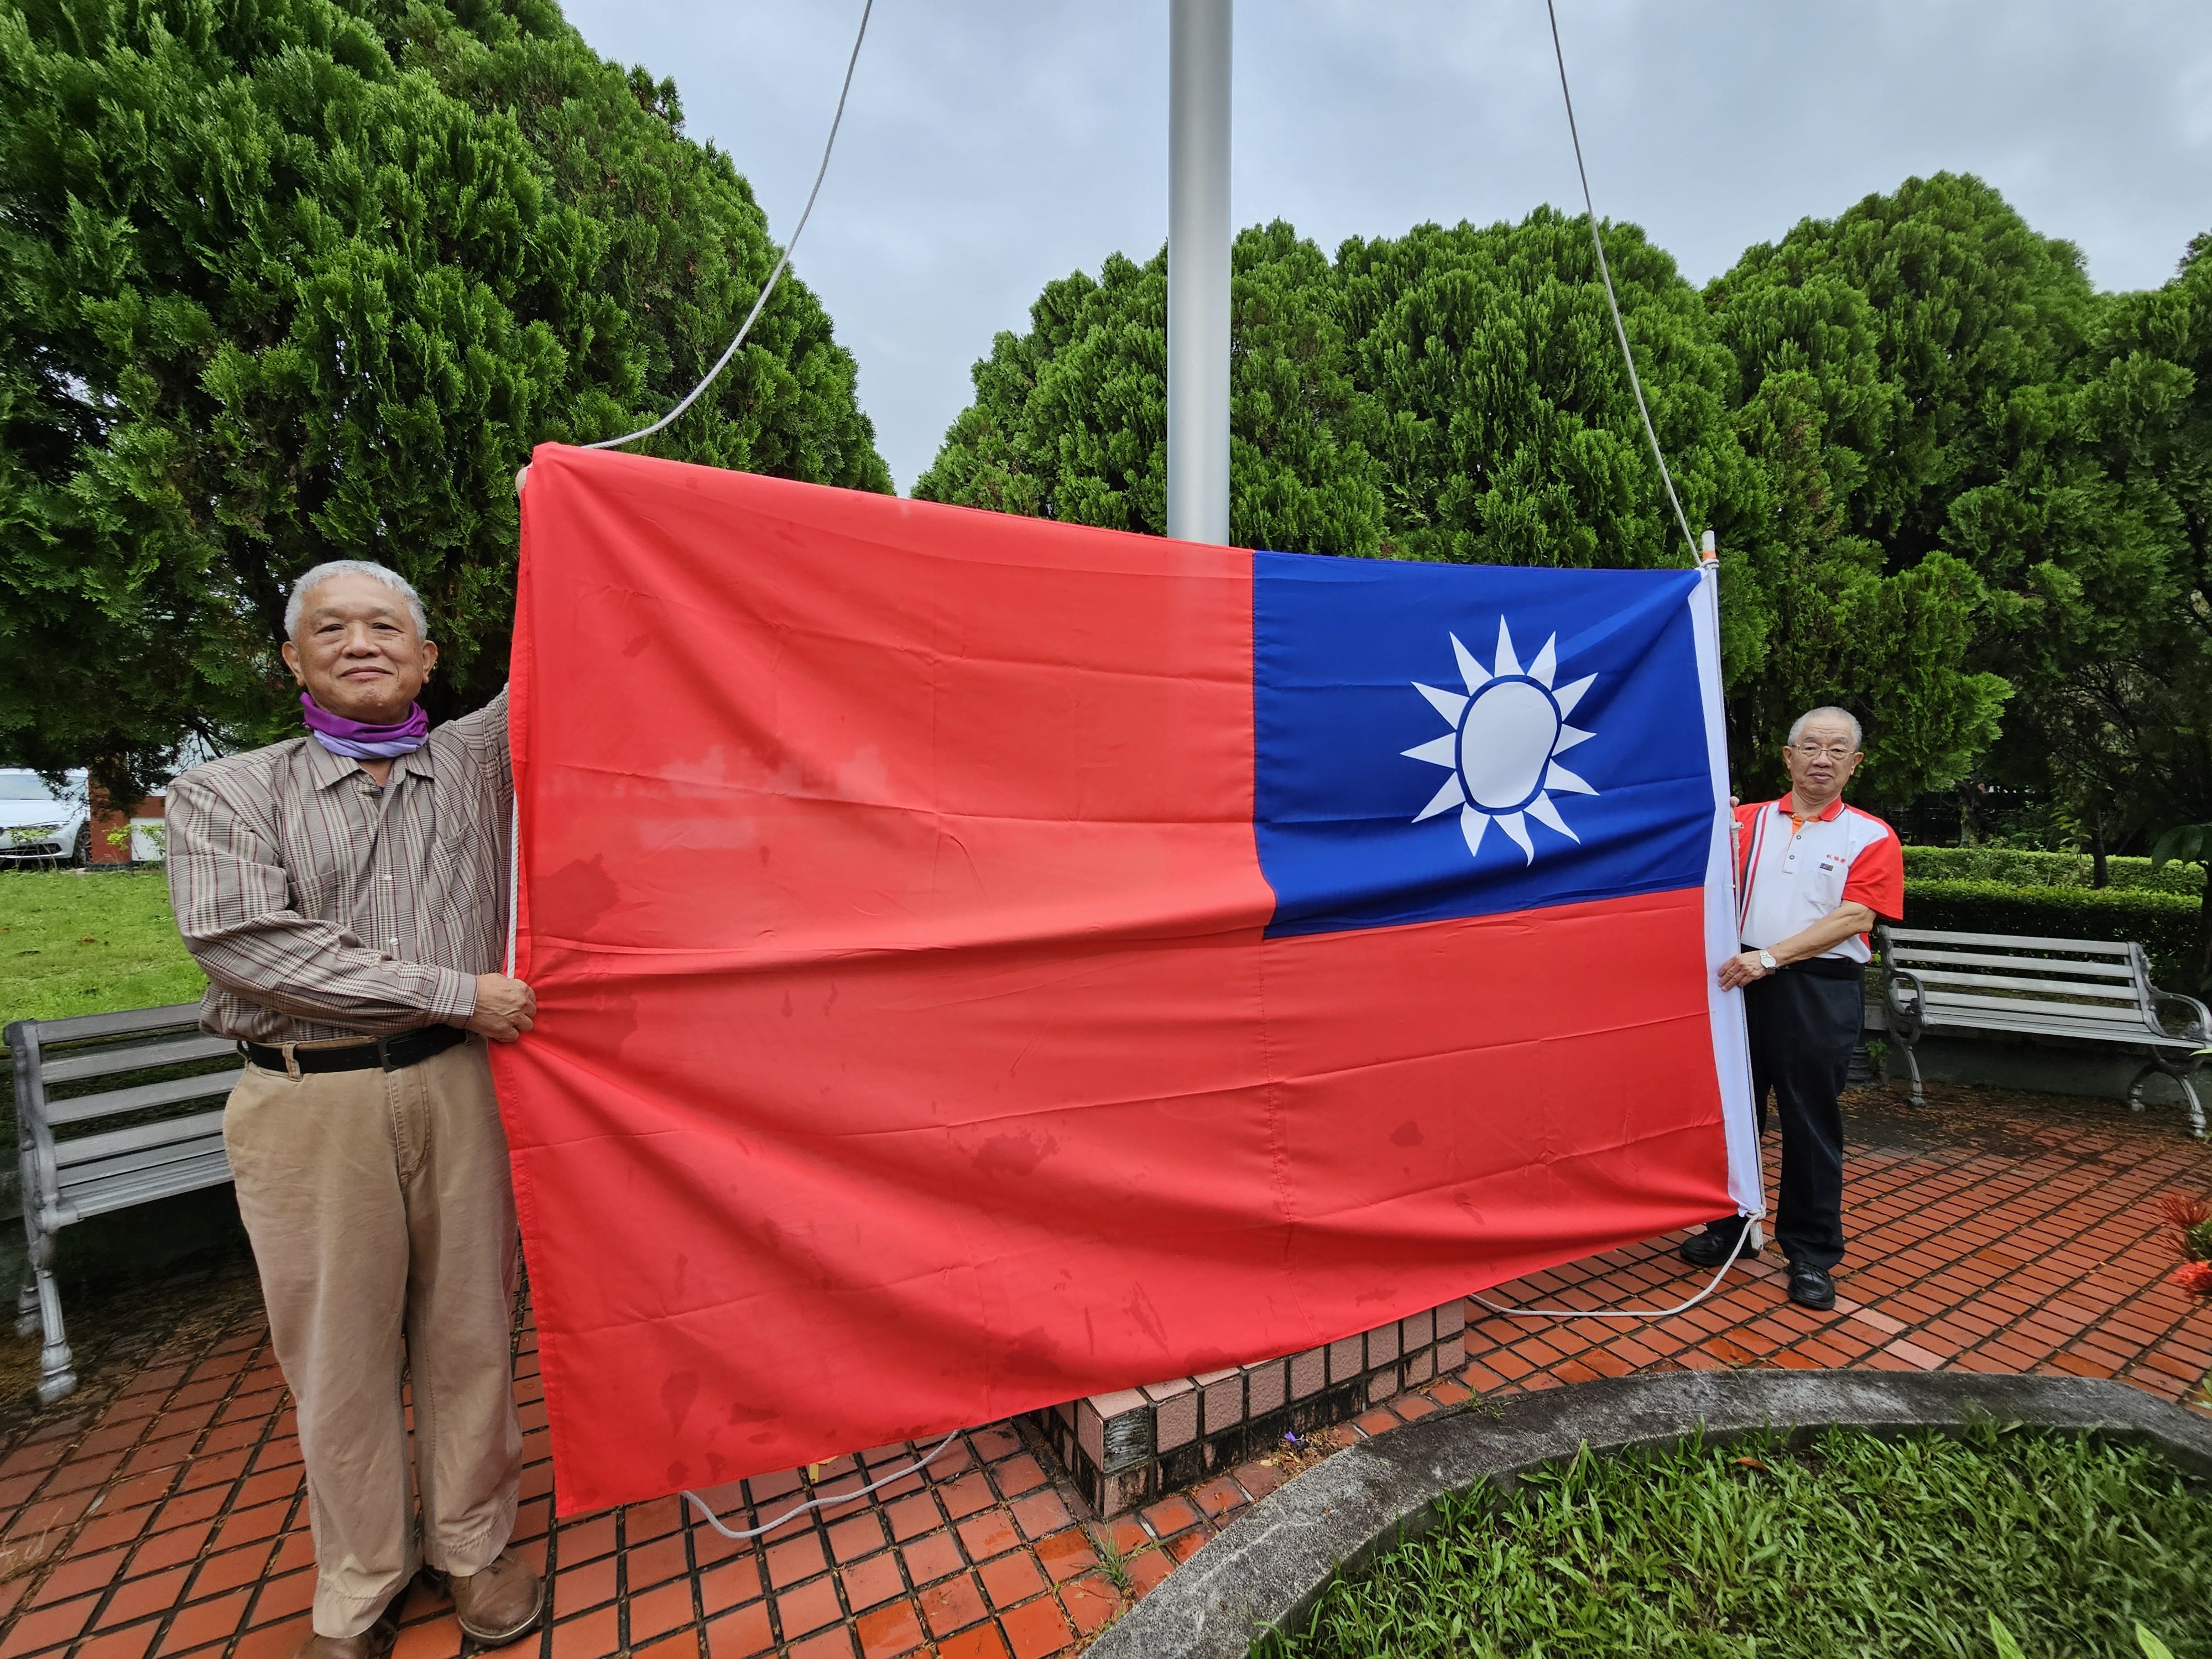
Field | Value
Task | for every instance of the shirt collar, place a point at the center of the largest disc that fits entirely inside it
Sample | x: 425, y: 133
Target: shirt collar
x: 1828, y: 814
x: 326, y: 769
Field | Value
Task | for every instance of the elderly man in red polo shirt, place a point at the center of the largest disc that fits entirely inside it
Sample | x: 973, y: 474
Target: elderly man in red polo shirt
x: 1812, y: 876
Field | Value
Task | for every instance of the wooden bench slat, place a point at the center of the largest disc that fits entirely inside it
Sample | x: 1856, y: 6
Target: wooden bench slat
x: 2084, y: 1031
x: 2052, y: 989
x: 69, y: 1155
x: 82, y: 1109
x: 2006, y: 1020
x: 147, y: 1163
x: 78, y: 1027
x: 120, y: 1192
x: 2020, y: 941
x: 2022, y: 1008
x: 1914, y: 959
x: 137, y: 1057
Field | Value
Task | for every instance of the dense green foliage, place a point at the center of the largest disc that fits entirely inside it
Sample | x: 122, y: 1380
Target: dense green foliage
x: 1953, y: 485
x: 2164, y: 924
x: 2018, y: 866
x: 2128, y: 733
x: 1850, y: 1547
x: 1897, y: 370
x: 89, y: 943
x: 300, y: 279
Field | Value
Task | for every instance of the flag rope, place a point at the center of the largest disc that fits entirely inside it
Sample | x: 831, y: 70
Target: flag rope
x: 768, y: 288
x: 1620, y: 329
x: 1742, y: 1233
x: 708, y: 1515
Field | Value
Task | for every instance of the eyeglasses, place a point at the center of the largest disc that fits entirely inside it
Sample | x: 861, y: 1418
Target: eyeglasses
x: 1834, y: 751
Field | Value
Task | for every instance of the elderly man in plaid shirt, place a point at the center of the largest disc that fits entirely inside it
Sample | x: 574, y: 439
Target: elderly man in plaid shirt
x: 345, y: 892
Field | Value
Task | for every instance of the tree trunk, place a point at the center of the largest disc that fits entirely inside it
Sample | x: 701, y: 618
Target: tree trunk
x: 2099, y: 874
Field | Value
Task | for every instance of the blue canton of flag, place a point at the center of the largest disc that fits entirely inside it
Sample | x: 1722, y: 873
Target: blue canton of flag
x: 1435, y: 741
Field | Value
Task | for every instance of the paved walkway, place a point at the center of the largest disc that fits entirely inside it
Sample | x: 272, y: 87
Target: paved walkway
x: 160, y: 1510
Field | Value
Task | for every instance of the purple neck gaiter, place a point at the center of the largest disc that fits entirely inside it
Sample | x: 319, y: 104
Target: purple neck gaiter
x: 357, y: 740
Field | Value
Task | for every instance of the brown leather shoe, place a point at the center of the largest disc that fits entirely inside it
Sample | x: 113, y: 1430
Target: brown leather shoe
x: 375, y: 1643
x: 500, y: 1604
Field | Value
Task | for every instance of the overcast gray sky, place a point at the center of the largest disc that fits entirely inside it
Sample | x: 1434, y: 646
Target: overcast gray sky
x: 992, y: 145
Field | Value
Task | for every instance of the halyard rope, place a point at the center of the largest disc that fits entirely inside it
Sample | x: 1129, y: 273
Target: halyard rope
x: 715, y: 1520
x: 768, y: 288
x: 1628, y: 1313
x: 1620, y: 329
x: 1651, y: 433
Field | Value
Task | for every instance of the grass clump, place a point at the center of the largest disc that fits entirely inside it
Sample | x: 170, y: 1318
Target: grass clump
x: 1846, y: 1547
x: 89, y: 944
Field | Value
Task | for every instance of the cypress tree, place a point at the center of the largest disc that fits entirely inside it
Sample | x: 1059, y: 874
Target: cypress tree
x: 289, y: 280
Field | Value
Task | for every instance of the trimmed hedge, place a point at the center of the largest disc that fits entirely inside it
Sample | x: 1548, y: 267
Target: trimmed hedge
x: 2165, y: 923
x: 2020, y: 868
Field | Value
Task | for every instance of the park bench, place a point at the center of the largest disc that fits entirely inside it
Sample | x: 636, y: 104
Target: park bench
x: 124, y: 1146
x: 2005, y: 984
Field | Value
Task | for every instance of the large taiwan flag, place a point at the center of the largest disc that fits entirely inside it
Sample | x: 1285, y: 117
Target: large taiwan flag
x: 983, y: 961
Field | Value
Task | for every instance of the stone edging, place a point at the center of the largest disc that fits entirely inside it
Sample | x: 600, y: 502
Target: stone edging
x: 1270, y: 1565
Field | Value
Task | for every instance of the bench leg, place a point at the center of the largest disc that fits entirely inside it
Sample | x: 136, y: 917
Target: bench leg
x: 26, y: 1301
x: 57, y: 1365
x: 1912, y: 1070
x: 2182, y: 1080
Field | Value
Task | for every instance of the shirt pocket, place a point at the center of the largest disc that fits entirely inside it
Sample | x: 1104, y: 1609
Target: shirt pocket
x: 1823, y: 883
x: 312, y: 885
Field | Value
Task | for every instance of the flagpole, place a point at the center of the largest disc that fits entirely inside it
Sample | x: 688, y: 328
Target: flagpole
x: 1198, y: 269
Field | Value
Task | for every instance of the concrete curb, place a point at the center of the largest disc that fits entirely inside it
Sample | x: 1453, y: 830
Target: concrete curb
x: 1269, y: 1565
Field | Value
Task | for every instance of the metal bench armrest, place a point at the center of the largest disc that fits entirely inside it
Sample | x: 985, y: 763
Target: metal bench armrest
x: 1905, y: 1000
x: 34, y: 1135
x: 2199, y: 1016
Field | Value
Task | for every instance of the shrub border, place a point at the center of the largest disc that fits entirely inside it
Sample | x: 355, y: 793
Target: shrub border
x: 2019, y: 867
x: 2164, y: 924
x: 1269, y: 1567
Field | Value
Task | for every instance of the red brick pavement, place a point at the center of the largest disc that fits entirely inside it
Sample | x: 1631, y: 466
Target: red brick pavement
x: 160, y: 1511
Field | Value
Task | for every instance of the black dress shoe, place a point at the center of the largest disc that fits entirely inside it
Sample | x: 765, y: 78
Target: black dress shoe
x: 1711, y: 1246
x: 1811, y: 1287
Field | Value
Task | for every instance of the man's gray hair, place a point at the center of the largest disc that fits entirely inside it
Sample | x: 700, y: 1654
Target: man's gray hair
x: 1797, y: 725
x: 322, y: 573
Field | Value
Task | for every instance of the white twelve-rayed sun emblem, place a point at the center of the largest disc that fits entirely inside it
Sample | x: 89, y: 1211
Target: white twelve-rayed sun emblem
x: 1503, y: 751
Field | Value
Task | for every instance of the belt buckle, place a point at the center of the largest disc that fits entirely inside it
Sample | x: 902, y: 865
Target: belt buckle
x: 384, y: 1056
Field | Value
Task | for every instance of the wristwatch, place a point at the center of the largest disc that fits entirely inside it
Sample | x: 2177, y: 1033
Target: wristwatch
x: 1766, y: 960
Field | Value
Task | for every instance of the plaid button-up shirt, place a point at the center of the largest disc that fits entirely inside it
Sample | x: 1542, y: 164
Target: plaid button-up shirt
x: 321, y: 906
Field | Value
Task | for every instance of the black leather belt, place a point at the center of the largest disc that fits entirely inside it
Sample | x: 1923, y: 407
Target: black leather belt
x: 387, y: 1054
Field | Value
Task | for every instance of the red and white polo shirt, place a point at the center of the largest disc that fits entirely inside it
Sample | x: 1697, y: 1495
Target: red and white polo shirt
x: 1789, y: 875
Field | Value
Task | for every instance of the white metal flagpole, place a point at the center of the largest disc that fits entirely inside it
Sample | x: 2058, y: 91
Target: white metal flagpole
x: 1198, y: 269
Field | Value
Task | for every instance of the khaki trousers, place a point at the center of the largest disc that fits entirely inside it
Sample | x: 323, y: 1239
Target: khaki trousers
x: 382, y: 1219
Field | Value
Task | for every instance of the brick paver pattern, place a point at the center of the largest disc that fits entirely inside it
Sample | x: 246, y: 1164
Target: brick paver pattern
x: 160, y: 1511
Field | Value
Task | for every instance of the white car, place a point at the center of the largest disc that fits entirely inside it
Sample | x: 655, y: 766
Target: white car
x: 37, y: 823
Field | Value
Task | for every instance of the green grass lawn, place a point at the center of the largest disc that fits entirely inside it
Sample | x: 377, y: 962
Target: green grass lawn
x: 73, y: 944
x: 1846, y: 1547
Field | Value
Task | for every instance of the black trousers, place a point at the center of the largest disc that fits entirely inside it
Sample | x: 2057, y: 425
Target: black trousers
x: 1804, y: 1021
